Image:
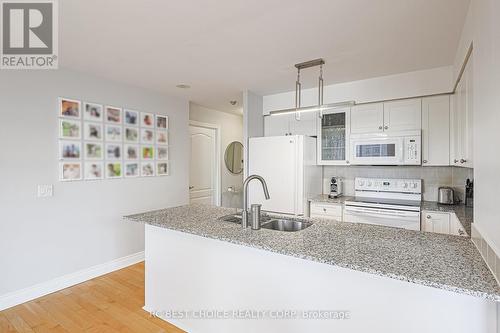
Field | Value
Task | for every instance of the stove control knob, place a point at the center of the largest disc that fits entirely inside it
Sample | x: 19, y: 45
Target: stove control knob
x: 369, y: 184
x: 414, y: 185
x: 361, y: 182
x: 405, y: 185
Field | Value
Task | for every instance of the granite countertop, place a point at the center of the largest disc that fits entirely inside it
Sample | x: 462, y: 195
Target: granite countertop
x: 435, y: 260
x: 464, y: 214
x: 324, y: 198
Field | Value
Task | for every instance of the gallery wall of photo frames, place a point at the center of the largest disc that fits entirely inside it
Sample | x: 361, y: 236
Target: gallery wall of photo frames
x: 106, y: 142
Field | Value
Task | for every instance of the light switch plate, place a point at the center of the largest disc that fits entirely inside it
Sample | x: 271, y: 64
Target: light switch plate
x: 45, y: 191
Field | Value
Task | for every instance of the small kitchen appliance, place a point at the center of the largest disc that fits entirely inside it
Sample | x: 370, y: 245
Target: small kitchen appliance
x: 336, y: 187
x: 469, y: 193
x: 446, y: 195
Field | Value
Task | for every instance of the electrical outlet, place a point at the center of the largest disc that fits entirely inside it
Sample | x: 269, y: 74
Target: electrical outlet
x: 45, y: 191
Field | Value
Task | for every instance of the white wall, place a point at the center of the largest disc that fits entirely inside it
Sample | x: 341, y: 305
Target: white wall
x: 483, y: 29
x: 231, y: 130
x: 253, y: 120
x: 81, y: 225
x: 432, y: 177
x: 412, y: 84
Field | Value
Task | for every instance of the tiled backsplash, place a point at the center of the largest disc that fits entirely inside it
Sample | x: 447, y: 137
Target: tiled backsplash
x: 432, y: 177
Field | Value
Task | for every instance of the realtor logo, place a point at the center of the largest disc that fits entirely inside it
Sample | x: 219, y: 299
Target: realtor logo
x: 29, y: 34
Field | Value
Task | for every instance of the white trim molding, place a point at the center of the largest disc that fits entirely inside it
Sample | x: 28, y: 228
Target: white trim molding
x: 218, y: 177
x: 41, y: 289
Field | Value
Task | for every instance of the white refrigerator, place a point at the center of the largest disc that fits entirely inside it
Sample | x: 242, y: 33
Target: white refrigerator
x: 288, y: 165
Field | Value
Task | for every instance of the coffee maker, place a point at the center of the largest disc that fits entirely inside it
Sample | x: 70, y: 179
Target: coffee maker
x: 336, y: 187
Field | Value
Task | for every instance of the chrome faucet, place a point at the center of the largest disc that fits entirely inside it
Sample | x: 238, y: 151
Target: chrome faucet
x: 244, y: 214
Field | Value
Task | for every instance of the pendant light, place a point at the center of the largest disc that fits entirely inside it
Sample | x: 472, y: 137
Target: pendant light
x: 298, y: 92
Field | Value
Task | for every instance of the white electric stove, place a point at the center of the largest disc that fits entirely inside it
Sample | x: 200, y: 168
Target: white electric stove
x: 386, y: 202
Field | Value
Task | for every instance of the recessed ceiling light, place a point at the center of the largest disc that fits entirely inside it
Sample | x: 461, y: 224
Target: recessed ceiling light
x: 183, y: 86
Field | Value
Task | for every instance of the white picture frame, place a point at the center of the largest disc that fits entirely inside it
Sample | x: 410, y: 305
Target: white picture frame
x: 93, y: 170
x: 147, y: 169
x: 131, y: 118
x: 114, y: 151
x: 70, y: 171
x: 147, y: 152
x: 70, y: 129
x: 162, y: 168
x: 93, y: 151
x: 114, y: 172
x: 70, y: 150
x: 131, y: 152
x: 147, y: 120
x: 93, y: 112
x: 162, y: 153
x: 131, y: 134
x: 132, y: 169
x: 93, y: 131
x: 161, y: 122
x: 113, y: 115
x: 113, y: 133
x: 147, y: 136
x: 69, y: 108
x: 162, y: 138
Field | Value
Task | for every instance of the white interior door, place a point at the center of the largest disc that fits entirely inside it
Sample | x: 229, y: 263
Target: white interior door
x: 203, y: 166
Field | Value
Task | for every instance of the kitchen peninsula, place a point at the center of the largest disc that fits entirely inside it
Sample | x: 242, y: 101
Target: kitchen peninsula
x: 196, y: 262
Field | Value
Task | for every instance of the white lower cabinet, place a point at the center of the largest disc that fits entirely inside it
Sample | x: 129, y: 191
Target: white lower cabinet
x: 327, y: 210
x: 441, y: 223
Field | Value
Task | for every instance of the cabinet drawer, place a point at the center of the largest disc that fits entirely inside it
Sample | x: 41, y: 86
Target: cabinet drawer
x: 326, y: 210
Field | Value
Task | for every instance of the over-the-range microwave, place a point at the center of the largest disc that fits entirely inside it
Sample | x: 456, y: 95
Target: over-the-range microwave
x: 388, y: 148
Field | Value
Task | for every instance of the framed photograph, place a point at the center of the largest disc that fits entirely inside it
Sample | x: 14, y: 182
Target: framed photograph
x: 131, y: 152
x: 69, y: 108
x: 113, y: 170
x: 113, y: 115
x: 162, y: 168
x: 162, y: 137
x: 93, y: 151
x: 70, y: 171
x: 113, y: 151
x: 92, y: 131
x: 70, y: 129
x: 94, y: 170
x: 161, y: 122
x: 70, y: 150
x: 113, y: 133
x: 131, y: 135
x: 93, y: 112
x: 147, y: 135
x: 131, y: 169
x: 162, y: 153
x: 147, y: 120
x: 147, y: 152
x: 131, y: 118
x: 147, y: 169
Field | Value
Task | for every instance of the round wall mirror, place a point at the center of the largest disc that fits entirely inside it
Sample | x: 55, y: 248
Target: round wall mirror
x: 234, y: 157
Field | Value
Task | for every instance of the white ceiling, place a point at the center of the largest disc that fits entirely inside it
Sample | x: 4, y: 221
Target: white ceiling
x: 222, y: 47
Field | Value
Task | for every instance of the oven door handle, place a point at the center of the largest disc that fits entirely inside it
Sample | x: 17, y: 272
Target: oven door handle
x: 380, y: 213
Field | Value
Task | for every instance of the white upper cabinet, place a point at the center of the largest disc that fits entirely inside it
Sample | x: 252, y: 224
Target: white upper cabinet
x: 291, y: 124
x: 333, y: 137
x: 462, y: 121
x: 393, y: 116
x: 367, y: 118
x: 436, y: 131
x: 403, y: 115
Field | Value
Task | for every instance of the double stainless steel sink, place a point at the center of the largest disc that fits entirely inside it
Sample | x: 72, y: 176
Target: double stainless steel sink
x: 272, y: 223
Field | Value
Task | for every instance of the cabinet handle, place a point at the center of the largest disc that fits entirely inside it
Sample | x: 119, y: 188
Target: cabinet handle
x: 455, y: 161
x: 380, y: 127
x: 191, y: 187
x: 428, y: 216
x: 324, y: 209
x: 461, y: 232
x: 462, y: 160
x: 386, y: 127
x: 346, y: 162
x: 424, y: 161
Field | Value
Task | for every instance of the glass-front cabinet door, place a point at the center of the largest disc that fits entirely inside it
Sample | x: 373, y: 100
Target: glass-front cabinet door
x: 333, y: 137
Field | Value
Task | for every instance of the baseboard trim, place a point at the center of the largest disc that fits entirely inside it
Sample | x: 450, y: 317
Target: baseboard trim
x: 41, y: 289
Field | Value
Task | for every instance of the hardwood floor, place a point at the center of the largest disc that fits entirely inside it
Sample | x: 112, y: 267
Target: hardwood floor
x: 109, y: 303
